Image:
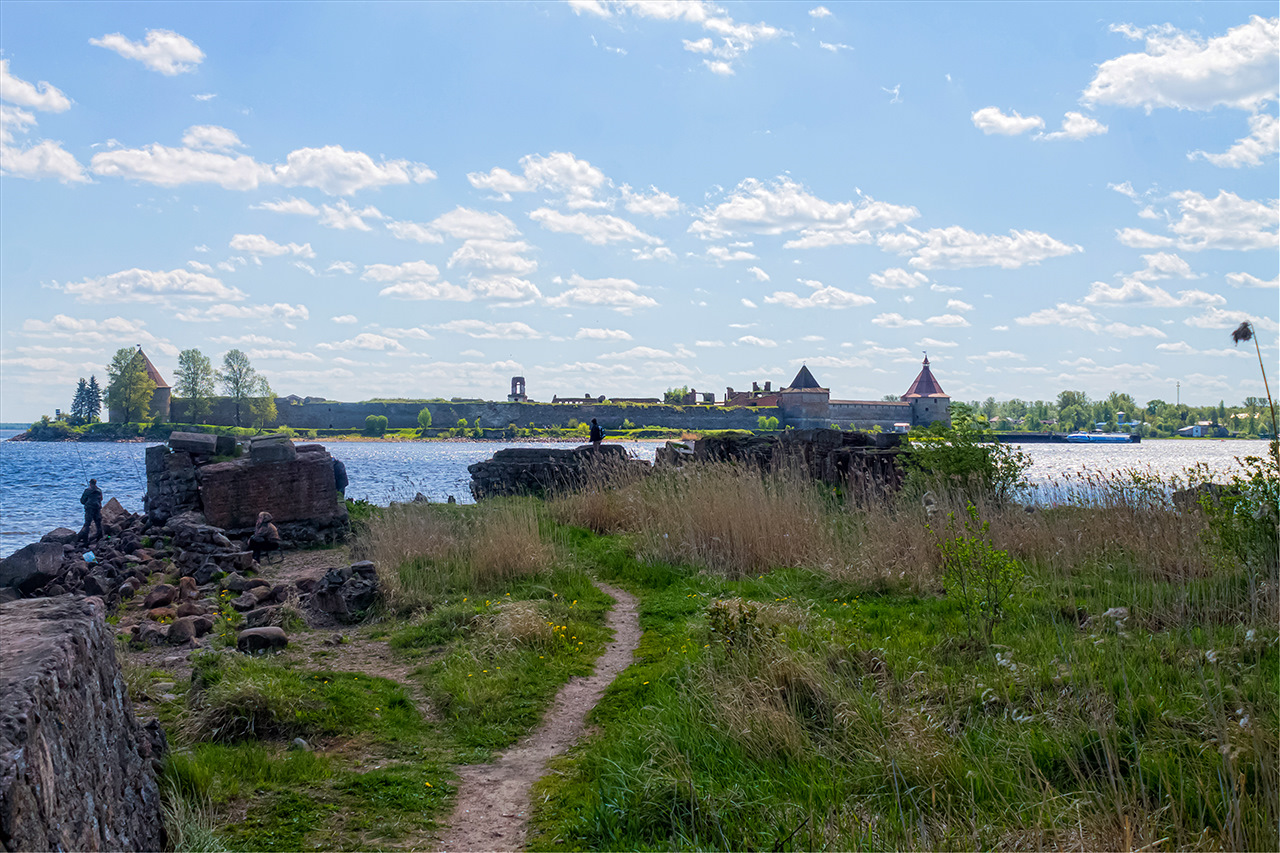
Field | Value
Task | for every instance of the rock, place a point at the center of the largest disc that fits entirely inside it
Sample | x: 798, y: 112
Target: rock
x: 96, y: 583
x: 160, y: 596
x: 190, y: 608
x: 155, y: 614
x: 306, y: 585
x: 272, y: 448
x: 7, y: 594
x: 87, y: 786
x: 299, y: 743
x: 263, y: 616
x: 365, y: 568
x: 115, y: 514
x: 164, y: 686
x: 126, y: 590
x: 61, y: 535
x: 201, y: 625
x: 539, y: 470
x: 244, y: 602
x: 150, y: 634
x: 182, y: 631
x: 54, y: 589
x: 420, y: 498
x: 194, y: 442
x: 208, y: 570
x: 30, y: 568
x: 254, y: 640
x: 187, y: 590
x: 345, y: 599
x: 236, y: 583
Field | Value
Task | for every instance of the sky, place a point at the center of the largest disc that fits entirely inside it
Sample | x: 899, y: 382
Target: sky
x: 426, y: 199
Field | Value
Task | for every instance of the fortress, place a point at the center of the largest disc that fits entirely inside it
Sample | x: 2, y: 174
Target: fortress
x: 803, y: 404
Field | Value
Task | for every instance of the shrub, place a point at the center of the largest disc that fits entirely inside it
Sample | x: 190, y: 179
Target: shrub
x: 375, y: 425
x: 958, y: 458
x: 979, y: 576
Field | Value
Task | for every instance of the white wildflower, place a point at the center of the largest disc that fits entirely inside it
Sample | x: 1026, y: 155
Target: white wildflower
x: 1211, y: 656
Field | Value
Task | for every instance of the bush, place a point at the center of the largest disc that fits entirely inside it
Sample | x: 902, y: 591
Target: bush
x: 978, y: 575
x: 375, y: 425
x: 958, y: 458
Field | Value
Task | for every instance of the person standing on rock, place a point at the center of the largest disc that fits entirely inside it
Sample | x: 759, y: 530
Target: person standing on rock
x: 92, y: 500
x: 596, y: 435
x: 265, y: 538
x: 340, y: 477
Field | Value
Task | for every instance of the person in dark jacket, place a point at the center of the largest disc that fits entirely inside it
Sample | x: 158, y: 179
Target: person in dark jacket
x: 596, y: 435
x: 92, y: 500
x: 265, y: 538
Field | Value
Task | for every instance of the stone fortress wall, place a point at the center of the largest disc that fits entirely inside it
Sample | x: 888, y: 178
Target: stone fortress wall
x: 802, y: 405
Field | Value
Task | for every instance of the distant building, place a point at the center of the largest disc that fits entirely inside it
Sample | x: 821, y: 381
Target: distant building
x: 806, y: 403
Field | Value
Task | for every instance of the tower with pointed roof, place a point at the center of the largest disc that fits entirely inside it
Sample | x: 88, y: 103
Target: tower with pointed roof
x: 929, y: 403
x: 804, y: 397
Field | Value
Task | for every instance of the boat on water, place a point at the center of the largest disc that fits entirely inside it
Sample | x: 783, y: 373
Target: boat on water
x: 1103, y: 438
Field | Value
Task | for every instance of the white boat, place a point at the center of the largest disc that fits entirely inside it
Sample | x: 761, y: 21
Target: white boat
x: 1102, y: 438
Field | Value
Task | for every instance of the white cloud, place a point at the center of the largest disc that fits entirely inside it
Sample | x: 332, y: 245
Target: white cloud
x: 1065, y: 315
x: 897, y: 278
x: 343, y: 216
x: 41, y: 96
x: 934, y: 343
x: 760, y: 274
x: 280, y: 312
x: 294, y: 205
x: 282, y: 355
x: 785, y: 206
x: 1123, y: 330
x: 747, y: 303
x: 894, y: 321
x: 1219, y: 318
x: 645, y: 353
x: 947, y: 320
x: 45, y: 159
x: 345, y: 319
x: 330, y: 169
x: 723, y: 254
x: 495, y: 256
x: 998, y: 355
x: 1134, y: 288
x: 823, y: 296
x: 990, y: 120
x: 342, y: 267
x: 211, y: 137
x: 654, y: 253
x: 481, y: 329
x: 819, y: 12
x: 1183, y: 71
x: 620, y: 294
x: 595, y: 229
x: 366, y: 341
x: 1225, y: 222
x: 602, y: 335
x: 655, y: 203
x: 708, y: 344
x: 164, y: 51
x: 507, y: 289
x: 463, y: 223
x: 1244, y: 279
x: 1075, y: 126
x: 834, y: 47
x: 957, y: 305
x: 753, y: 341
x: 958, y: 248
x: 415, y: 232
x: 1263, y: 140
x: 559, y: 171
x: 207, y: 96
x: 138, y: 285
x: 1136, y: 238
x: 1125, y: 189
x: 408, y: 271
x: 258, y: 244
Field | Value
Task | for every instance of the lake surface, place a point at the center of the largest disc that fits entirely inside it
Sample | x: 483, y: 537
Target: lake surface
x: 41, y: 482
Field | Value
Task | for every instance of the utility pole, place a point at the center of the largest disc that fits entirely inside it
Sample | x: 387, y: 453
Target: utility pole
x: 1179, y: 394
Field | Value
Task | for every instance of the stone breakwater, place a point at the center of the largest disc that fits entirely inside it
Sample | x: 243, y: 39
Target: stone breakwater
x: 77, y: 770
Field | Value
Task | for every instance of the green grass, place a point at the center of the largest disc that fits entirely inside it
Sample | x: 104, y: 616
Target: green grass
x: 880, y: 724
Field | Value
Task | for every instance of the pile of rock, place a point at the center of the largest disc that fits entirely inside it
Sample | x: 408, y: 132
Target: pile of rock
x: 55, y: 565
x: 346, y: 594
x: 543, y: 470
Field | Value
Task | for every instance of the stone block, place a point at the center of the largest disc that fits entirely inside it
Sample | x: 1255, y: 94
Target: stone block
x: 261, y: 639
x: 194, y: 442
x: 226, y: 445
x: 61, y: 535
x: 76, y: 767
x: 272, y: 448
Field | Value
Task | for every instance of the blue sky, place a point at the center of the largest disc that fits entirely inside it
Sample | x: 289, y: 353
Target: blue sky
x: 418, y: 200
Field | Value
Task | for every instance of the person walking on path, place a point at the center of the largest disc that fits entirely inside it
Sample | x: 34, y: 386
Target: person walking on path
x: 596, y: 435
x: 92, y: 500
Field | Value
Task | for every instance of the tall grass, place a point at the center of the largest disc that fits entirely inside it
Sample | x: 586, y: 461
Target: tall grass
x: 424, y: 550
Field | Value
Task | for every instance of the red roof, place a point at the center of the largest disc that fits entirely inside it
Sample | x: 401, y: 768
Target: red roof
x: 152, y: 373
x: 925, y: 385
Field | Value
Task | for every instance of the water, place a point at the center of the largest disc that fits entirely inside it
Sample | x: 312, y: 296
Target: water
x: 41, y: 482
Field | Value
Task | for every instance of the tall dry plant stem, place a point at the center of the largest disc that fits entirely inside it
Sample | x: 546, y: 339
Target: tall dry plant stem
x: 1246, y: 332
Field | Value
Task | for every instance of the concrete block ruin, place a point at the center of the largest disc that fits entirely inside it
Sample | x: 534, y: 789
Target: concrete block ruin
x: 865, y: 465
x: 294, y: 483
x: 77, y: 770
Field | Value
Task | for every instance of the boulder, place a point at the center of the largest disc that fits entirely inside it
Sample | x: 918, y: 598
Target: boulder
x: 194, y: 442
x: 182, y: 631
x: 155, y: 614
x: 264, y: 639
x: 160, y: 596
x: 272, y: 448
x: 264, y: 616
x: 115, y: 514
x: 543, y: 470
x: 61, y: 535
x: 30, y: 568
x: 190, y: 608
x: 90, y: 785
x: 187, y: 590
x: 345, y: 595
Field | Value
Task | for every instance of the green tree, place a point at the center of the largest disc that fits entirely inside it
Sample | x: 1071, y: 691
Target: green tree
x: 93, y: 402
x: 1071, y: 418
x: 196, y: 383
x: 80, y: 403
x: 675, y: 396
x: 1078, y: 399
x: 238, y: 379
x: 262, y: 405
x: 424, y: 418
x: 129, y: 388
x: 375, y: 425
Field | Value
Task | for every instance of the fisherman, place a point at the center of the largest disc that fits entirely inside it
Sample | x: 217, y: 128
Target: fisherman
x: 340, y: 477
x: 92, y: 500
x: 597, y: 435
x: 265, y: 538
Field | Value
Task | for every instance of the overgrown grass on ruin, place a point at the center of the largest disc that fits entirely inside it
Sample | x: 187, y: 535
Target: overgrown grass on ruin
x: 1127, y: 696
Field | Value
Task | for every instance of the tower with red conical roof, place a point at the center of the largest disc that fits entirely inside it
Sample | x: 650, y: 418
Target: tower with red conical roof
x: 929, y: 403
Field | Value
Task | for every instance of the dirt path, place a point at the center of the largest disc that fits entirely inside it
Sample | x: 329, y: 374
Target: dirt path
x: 493, y: 799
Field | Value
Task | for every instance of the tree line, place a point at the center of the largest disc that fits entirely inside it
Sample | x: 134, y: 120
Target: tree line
x: 130, y: 389
x: 1073, y: 411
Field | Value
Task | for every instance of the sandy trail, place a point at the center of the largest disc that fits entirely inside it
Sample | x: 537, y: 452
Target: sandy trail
x: 493, y: 799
